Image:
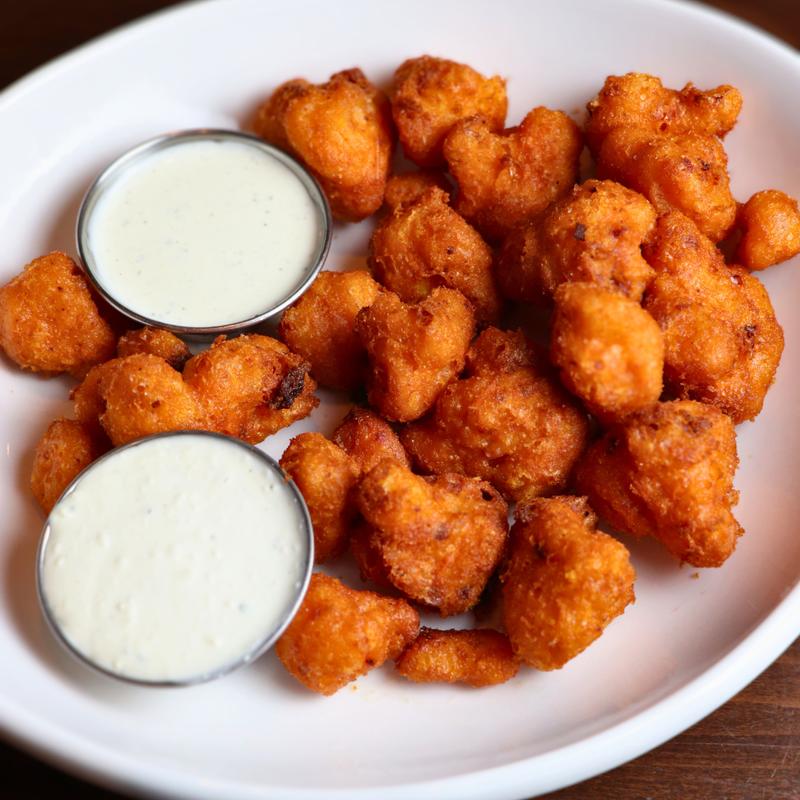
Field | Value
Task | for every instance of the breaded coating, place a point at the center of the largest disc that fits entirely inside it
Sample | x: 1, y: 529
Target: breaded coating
x: 666, y: 145
x: 509, y: 423
x: 405, y: 187
x: 424, y: 244
x: 340, y: 634
x: 722, y: 341
x: 440, y: 537
x: 429, y: 95
x: 610, y: 351
x: 251, y: 386
x: 594, y: 235
x: 248, y: 387
x: 688, y: 172
x: 66, y: 448
x: 478, y: 658
x: 49, y: 321
x: 325, y: 476
x: 87, y: 399
x: 368, y: 439
x: 320, y: 327
x: 158, y: 342
x: 414, y: 350
x: 668, y: 473
x: 341, y: 130
x: 366, y: 552
x: 642, y: 101
x: 496, y: 351
x: 505, y: 179
x: 564, y: 581
x: 141, y: 395
x: 770, y: 225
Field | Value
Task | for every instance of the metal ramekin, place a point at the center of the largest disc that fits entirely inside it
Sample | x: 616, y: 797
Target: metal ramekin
x: 132, y: 156
x: 246, y: 658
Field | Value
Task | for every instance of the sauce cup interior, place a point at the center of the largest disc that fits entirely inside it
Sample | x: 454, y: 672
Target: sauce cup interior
x: 138, y: 155
x: 246, y: 657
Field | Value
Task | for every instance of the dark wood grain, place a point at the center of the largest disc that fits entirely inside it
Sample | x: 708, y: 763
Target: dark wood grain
x: 747, y: 750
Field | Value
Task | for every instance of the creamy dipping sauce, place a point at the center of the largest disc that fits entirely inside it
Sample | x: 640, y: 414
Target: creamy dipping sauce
x: 174, y: 558
x: 203, y: 232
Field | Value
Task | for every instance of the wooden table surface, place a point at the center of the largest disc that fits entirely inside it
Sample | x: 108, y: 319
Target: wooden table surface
x: 747, y: 750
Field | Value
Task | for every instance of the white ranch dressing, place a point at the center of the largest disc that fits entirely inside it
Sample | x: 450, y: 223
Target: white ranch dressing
x: 174, y: 558
x: 204, y: 233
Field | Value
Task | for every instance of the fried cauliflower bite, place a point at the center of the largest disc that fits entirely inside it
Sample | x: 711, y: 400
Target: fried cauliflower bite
x: 439, y: 538
x: 251, y: 386
x: 66, y: 448
x: 414, y: 350
x: 722, y: 341
x: 505, y: 179
x: 325, y: 476
x: 320, y: 327
x: 506, y: 421
x: 158, y: 342
x: 341, y: 130
x: 424, y: 244
x: 49, y: 321
x: 86, y: 398
x: 688, y: 172
x: 609, y: 350
x: 141, y: 395
x: 478, y: 658
x: 430, y: 95
x: 641, y: 101
x: 405, y: 187
x: 594, y: 235
x: 666, y: 144
x: 367, y: 554
x: 496, y: 351
x: 368, y: 439
x: 340, y: 634
x: 668, y: 473
x: 770, y: 225
x: 564, y: 581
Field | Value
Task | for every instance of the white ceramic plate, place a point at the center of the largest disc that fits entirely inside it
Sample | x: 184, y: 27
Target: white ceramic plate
x: 687, y: 644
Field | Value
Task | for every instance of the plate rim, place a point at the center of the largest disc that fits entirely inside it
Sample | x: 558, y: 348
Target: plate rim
x: 565, y: 766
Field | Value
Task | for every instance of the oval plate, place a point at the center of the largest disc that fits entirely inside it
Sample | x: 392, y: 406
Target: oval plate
x: 684, y: 648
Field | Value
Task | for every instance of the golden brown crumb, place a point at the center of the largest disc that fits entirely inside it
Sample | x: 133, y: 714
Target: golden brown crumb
x: 49, y: 321
x: 341, y: 130
x: 564, y: 582
x: 439, y: 538
x: 414, y: 349
x: 505, y: 179
x: 475, y: 657
x: 722, y: 341
x: 594, y: 235
x: 66, y: 448
x: 321, y: 327
x: 156, y: 341
x: 405, y: 187
x: 770, y: 224
x: 326, y: 477
x: 506, y: 421
x: 251, y: 386
x: 368, y: 439
x: 340, y: 633
x: 668, y: 473
x: 666, y: 145
x: 609, y: 350
x: 424, y: 244
x: 430, y: 95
